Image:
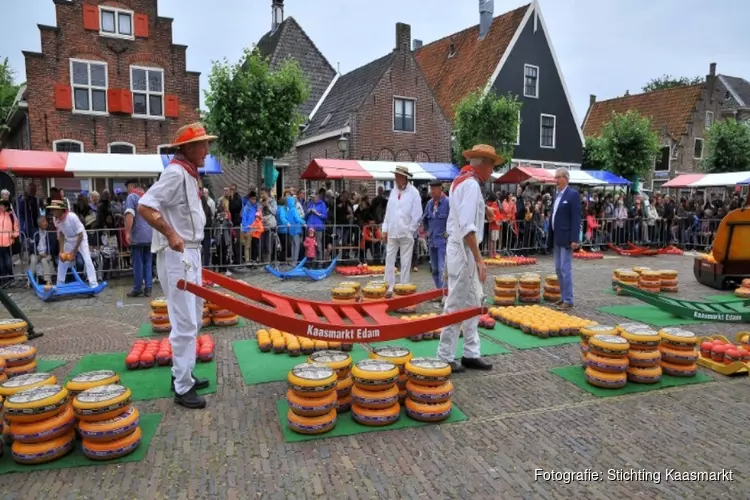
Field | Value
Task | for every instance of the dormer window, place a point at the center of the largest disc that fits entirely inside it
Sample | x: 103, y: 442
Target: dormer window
x: 116, y: 22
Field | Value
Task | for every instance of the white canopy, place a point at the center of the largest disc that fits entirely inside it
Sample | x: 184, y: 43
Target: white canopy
x: 114, y: 165
x: 729, y: 179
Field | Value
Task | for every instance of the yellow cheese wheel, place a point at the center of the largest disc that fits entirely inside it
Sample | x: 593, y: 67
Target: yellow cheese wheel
x: 102, y: 403
x: 433, y: 394
x: 676, y: 370
x: 644, y: 338
x: 161, y: 327
x: 605, y: 364
x: 343, y: 293
x: 640, y: 375
x: 552, y: 297
x: 605, y: 380
x: 506, y: 292
x: 395, y: 354
x: 650, y: 275
x: 312, y: 379
x: 374, y: 292
x: 504, y: 301
x: 311, y: 425
x: 338, y: 361
x: 404, y: 289
x: 159, y: 316
x: 220, y: 313
x: 344, y: 387
x: 12, y: 328
x: 356, y: 285
x: 375, y: 374
x: 590, y: 330
x: 18, y: 339
x: 45, y: 451
x: 506, y: 281
x: 44, y: 430
x: 3, y: 377
x: 678, y: 338
x: 205, y: 321
x: 669, y: 282
x: 678, y: 356
x: 644, y: 358
x: 89, y: 380
x: 112, y: 429
x: 14, y: 371
x: 551, y: 279
x: 311, y: 406
x: 428, y: 412
x: 608, y: 345
x: 159, y: 303
x: 742, y: 292
x: 109, y: 450
x: 428, y: 371
x: 36, y: 404
x: 375, y: 400
x: 225, y: 321
x: 376, y: 418
x: 344, y: 404
x: 528, y: 292
x: 668, y: 273
x: 25, y: 382
x: 622, y: 327
x: 554, y: 289
x: 670, y: 289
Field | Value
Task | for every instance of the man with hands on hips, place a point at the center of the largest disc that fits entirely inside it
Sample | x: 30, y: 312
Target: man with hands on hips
x: 565, y: 231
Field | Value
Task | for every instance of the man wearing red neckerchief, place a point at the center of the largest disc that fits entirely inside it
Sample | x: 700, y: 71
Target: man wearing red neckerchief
x: 464, y: 263
x: 173, y: 207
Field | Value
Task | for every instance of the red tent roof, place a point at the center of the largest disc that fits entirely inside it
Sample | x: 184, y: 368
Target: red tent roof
x: 335, y: 169
x: 517, y: 175
x: 29, y: 163
x: 683, y: 180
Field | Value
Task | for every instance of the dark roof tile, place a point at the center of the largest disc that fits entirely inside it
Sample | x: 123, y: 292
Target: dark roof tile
x: 737, y: 87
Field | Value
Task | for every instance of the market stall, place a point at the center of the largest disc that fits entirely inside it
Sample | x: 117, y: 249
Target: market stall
x: 535, y: 175
x: 360, y: 170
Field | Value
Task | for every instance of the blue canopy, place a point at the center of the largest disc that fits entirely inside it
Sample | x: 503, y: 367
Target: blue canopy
x: 211, y: 167
x: 441, y: 171
x: 607, y: 177
x: 746, y: 181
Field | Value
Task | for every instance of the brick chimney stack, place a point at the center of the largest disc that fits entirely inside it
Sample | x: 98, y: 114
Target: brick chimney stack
x: 277, y: 14
x: 711, y: 81
x: 403, y: 37
x: 592, y: 99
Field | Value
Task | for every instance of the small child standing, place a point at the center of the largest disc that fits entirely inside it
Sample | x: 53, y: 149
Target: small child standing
x: 495, y: 219
x: 310, y: 244
x: 43, y: 253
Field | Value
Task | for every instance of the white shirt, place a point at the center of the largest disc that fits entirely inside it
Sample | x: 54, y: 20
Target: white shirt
x: 41, y: 246
x: 403, y: 213
x: 554, y: 206
x: 70, y: 226
x: 176, y: 196
x: 467, y: 210
x: 211, y: 206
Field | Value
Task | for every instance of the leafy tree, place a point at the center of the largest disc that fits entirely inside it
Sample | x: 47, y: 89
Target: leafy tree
x: 8, y: 91
x: 594, y: 155
x: 255, y: 111
x: 728, y: 147
x: 629, y: 145
x: 486, y: 119
x: 668, y: 81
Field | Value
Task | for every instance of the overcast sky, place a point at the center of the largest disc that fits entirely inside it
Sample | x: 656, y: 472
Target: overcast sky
x: 604, y: 47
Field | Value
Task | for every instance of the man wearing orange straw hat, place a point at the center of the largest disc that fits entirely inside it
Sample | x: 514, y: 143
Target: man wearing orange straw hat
x: 464, y: 263
x: 173, y: 207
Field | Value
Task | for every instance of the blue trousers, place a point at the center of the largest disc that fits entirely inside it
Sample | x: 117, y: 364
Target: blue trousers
x: 437, y: 264
x: 142, y: 266
x: 564, y: 270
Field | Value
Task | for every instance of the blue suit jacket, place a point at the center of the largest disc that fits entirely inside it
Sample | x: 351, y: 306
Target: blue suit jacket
x: 567, y: 220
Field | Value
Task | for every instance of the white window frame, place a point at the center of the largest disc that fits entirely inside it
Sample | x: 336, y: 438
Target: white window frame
x: 117, y: 11
x: 160, y: 147
x: 148, y: 93
x: 709, y: 123
x: 554, y: 131
x: 537, y: 81
x: 55, y: 143
x: 120, y: 143
x: 89, y: 87
x: 518, y: 130
x: 393, y: 114
x: 703, y: 145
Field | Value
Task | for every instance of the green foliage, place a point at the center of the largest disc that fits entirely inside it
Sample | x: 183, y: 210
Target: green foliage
x: 668, y: 81
x: 728, y: 147
x: 594, y: 154
x: 8, y: 91
x: 486, y: 119
x: 628, y: 145
x: 255, y: 111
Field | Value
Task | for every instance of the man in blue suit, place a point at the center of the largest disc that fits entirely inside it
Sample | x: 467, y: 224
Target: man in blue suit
x: 565, y: 229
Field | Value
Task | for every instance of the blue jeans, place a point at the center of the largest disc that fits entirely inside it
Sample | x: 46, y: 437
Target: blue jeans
x: 142, y: 266
x: 564, y: 270
x: 437, y: 264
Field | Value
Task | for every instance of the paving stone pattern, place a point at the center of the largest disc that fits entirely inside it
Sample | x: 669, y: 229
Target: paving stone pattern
x: 521, y: 418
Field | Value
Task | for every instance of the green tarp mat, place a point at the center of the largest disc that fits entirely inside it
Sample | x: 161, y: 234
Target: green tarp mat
x: 516, y: 338
x: 645, y: 313
x: 428, y: 348
x: 149, y: 383
x: 145, y: 329
x: 47, y: 365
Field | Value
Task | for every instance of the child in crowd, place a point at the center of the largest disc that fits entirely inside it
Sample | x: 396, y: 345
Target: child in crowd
x: 495, y: 219
x: 43, y: 251
x: 310, y: 244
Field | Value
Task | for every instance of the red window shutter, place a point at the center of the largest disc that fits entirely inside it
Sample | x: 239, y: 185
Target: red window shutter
x: 91, y: 17
x: 126, y: 101
x: 171, y: 106
x: 113, y: 100
x: 63, y: 97
x: 141, y: 26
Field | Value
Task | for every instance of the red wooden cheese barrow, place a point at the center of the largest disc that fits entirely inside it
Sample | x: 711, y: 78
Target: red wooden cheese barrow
x: 361, y: 322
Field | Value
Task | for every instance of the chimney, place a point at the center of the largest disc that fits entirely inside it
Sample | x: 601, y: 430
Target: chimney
x: 277, y: 14
x: 592, y: 99
x: 403, y: 37
x: 416, y: 44
x: 627, y: 93
x: 711, y: 81
x: 486, y: 9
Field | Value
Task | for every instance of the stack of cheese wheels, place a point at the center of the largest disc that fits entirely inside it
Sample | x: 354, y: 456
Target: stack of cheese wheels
x: 41, y: 423
x: 679, y: 352
x: 374, y: 292
x: 108, y: 422
x: 650, y: 281
x: 529, y: 288
x: 344, y: 295
x: 607, y: 361
x: 669, y: 282
x: 643, y: 356
x: 402, y: 290
x: 428, y: 389
x: 312, y: 398
x: 356, y: 285
x: 552, y: 289
x: 221, y: 316
x: 159, y: 317
x: 90, y: 380
x: 626, y: 277
x: 19, y: 359
x: 589, y: 331
x: 640, y: 269
x: 399, y: 356
x: 13, y: 332
x: 341, y: 364
x: 743, y: 291
x: 206, y: 319
x: 375, y: 392
x: 506, y: 290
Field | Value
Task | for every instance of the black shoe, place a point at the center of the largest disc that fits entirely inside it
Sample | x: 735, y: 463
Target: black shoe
x: 456, y: 367
x: 198, y: 383
x: 191, y: 400
x: 147, y: 292
x: 134, y: 294
x: 476, y: 364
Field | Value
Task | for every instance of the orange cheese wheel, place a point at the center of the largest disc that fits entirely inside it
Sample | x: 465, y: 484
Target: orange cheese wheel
x: 676, y: 370
x: 43, y: 430
x: 205, y: 321
x: 16, y: 355
x: 605, y: 380
x: 344, y: 404
x: 376, y: 418
x: 159, y: 317
x: 161, y: 327
x: 102, y: 403
x: 226, y: 321
x: 223, y: 313
x: 649, y: 375
x: 18, y: 339
x: 311, y: 406
x: 344, y: 387
x: 109, y: 450
x: 110, y: 430
x: 14, y: 371
x: 375, y: 400
x: 311, y: 425
x: 433, y: 394
x: 36, y: 404
x: 644, y: 359
x: 45, y: 451
x: 678, y: 356
x: 12, y: 327
x: 428, y: 412
x: 605, y: 364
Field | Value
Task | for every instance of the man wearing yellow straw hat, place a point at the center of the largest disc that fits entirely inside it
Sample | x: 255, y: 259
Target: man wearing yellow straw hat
x: 74, y: 241
x: 464, y: 263
x: 173, y: 207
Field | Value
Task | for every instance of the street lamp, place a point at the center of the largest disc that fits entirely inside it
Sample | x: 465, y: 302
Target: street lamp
x: 343, y: 144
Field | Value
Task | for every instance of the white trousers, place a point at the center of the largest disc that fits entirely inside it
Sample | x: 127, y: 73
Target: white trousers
x: 464, y: 291
x: 406, y: 245
x: 46, y: 262
x: 62, y: 267
x: 185, y: 311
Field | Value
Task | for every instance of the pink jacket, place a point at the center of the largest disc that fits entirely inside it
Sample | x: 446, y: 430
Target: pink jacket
x: 8, y: 229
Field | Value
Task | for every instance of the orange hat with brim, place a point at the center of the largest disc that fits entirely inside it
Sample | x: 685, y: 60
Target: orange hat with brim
x: 195, y: 132
x: 484, y: 151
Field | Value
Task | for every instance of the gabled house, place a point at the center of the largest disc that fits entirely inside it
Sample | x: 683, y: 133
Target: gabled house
x: 680, y: 116
x: 514, y: 56
x: 736, y: 97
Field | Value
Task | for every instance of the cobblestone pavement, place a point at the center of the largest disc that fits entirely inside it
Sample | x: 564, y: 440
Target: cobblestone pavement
x: 521, y: 418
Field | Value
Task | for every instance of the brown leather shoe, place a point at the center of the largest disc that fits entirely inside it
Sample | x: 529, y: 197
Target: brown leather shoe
x: 558, y: 303
x: 565, y: 306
